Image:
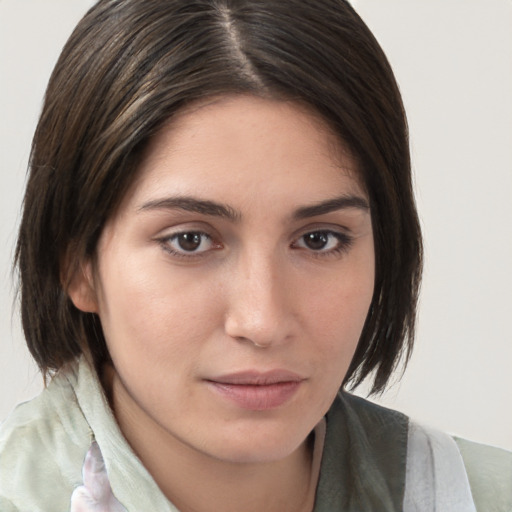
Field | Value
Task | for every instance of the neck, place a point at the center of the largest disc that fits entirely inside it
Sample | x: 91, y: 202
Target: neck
x: 196, y: 482
x: 198, y: 485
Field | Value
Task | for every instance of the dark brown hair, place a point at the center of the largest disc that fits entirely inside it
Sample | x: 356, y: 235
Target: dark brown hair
x: 129, y: 66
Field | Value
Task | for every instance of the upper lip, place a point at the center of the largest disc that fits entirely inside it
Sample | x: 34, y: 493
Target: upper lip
x: 257, y: 378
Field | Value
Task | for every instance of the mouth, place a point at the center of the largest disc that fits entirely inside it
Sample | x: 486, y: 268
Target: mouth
x: 257, y: 391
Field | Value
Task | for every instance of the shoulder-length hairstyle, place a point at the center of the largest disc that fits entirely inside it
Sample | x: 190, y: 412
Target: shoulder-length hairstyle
x: 130, y: 66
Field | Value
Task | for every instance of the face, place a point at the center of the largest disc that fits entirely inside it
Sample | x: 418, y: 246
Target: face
x: 234, y: 281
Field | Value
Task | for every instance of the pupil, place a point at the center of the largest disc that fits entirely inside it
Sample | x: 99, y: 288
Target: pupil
x: 189, y: 241
x: 316, y: 241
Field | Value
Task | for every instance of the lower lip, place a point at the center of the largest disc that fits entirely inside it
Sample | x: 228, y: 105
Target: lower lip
x: 257, y: 398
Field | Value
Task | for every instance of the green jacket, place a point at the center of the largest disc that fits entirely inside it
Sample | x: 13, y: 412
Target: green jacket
x: 56, y: 448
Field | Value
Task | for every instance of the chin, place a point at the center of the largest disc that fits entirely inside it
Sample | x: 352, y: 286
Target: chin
x: 258, y: 447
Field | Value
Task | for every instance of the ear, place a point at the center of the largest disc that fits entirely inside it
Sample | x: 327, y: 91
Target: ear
x: 81, y: 290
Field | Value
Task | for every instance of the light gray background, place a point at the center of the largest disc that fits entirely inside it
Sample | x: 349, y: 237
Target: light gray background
x: 453, y: 60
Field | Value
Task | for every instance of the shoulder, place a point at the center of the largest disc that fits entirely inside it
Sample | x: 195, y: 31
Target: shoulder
x: 42, y: 446
x: 439, y: 468
x: 489, y: 471
x: 476, y: 476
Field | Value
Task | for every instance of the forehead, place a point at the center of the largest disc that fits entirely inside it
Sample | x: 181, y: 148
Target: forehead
x: 232, y: 148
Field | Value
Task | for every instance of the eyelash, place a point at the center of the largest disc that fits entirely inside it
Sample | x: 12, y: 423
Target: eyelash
x: 344, y: 243
x: 166, y: 244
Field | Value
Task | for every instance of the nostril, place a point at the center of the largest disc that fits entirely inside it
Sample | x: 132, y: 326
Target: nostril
x: 258, y: 344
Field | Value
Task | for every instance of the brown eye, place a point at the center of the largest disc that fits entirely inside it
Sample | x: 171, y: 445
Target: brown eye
x: 316, y: 241
x: 189, y: 241
x: 324, y: 242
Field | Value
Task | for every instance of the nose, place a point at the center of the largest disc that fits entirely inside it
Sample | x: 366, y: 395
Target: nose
x: 260, y: 309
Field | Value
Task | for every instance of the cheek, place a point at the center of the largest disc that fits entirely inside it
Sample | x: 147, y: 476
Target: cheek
x: 149, y: 310
x: 338, y: 330
x: 340, y: 308
x: 337, y: 311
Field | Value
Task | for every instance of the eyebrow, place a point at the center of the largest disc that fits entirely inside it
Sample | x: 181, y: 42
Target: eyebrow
x: 212, y: 208
x: 331, y: 205
x: 192, y: 204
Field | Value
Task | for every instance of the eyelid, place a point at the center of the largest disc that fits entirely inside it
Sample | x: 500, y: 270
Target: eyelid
x: 324, y: 227
x: 343, y: 235
x: 187, y: 227
x: 165, y: 238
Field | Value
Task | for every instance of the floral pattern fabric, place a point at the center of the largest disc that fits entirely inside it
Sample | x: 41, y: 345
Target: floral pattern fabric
x: 96, y: 494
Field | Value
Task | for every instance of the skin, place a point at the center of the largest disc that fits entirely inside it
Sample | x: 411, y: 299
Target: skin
x: 254, y: 293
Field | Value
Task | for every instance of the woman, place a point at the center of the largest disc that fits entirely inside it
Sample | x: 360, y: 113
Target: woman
x: 219, y: 233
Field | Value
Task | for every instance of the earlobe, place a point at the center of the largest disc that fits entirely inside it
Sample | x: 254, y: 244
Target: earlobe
x: 81, y: 291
